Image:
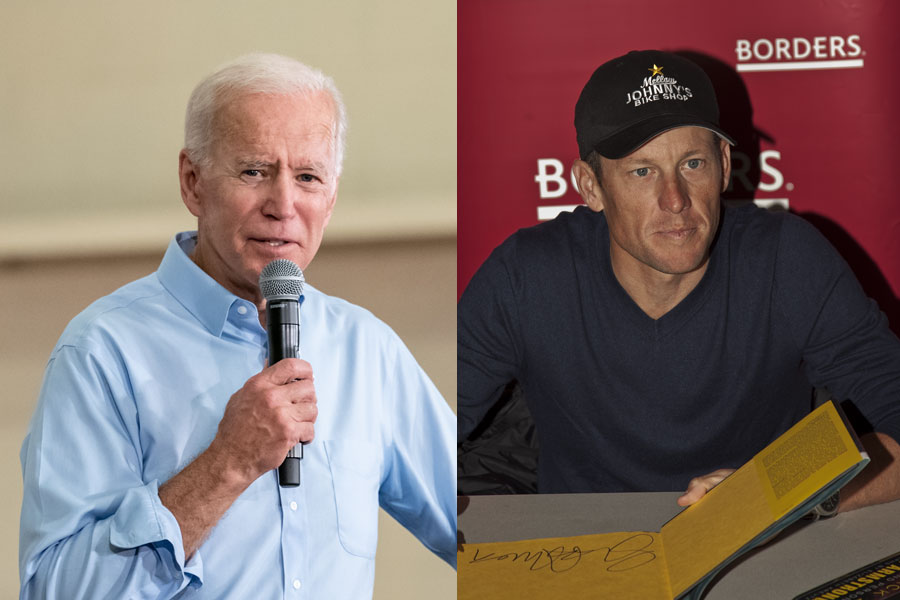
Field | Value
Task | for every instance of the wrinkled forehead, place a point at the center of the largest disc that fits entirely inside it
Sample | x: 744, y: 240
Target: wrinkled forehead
x: 257, y: 117
x: 259, y: 122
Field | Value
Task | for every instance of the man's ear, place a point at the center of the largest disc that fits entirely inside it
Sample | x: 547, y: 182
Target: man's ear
x: 188, y: 177
x: 588, y: 185
x: 725, y: 152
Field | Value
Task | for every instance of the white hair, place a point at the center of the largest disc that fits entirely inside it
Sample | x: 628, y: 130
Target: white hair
x: 249, y: 74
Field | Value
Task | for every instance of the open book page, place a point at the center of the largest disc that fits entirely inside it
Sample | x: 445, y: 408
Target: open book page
x: 705, y: 534
x: 809, y: 457
x: 608, y: 565
x: 806, y: 459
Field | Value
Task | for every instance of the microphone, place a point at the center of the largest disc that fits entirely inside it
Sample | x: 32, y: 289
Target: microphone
x: 281, y: 283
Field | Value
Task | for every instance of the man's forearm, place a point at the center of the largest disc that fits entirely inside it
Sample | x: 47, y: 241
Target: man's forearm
x: 880, y: 481
x: 199, y: 495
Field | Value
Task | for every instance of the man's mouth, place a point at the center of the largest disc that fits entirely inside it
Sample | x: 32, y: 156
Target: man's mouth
x: 273, y: 242
x: 677, y: 233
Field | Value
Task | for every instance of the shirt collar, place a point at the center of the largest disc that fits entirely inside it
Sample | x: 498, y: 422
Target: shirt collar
x: 199, y: 293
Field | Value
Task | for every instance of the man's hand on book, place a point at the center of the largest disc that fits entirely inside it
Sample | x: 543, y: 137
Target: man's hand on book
x: 698, y: 486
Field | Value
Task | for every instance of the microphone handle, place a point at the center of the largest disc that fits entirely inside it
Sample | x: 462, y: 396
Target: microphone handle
x: 283, y: 325
x: 289, y: 471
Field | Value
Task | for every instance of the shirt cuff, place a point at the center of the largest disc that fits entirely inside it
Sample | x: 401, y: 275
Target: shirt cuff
x: 143, y: 520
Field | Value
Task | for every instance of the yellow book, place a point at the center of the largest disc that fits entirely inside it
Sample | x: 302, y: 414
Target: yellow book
x: 782, y: 483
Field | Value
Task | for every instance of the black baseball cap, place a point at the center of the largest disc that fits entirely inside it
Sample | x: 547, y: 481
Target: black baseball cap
x: 631, y: 99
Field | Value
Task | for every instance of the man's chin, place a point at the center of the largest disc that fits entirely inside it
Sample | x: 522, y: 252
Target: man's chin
x: 683, y: 266
x: 681, y: 260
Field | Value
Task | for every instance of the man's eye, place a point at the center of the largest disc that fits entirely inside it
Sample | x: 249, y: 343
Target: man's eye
x: 642, y: 172
x: 252, y: 172
x: 308, y: 178
x: 694, y: 163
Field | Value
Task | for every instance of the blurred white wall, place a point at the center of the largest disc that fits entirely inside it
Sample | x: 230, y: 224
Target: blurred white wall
x: 93, y: 97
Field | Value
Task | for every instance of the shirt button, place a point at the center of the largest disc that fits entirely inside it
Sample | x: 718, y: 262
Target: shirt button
x: 293, y: 506
x: 296, y: 584
x: 242, y: 310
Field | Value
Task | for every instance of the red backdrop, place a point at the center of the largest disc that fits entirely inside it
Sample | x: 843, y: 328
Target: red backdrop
x: 809, y: 89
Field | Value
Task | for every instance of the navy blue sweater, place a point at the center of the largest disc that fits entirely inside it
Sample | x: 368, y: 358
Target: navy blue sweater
x: 623, y: 402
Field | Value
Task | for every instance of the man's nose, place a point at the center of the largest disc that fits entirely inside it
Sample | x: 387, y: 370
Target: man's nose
x: 279, y: 203
x: 674, y: 197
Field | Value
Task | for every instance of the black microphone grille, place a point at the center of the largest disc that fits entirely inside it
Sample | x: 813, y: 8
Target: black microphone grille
x: 281, y: 279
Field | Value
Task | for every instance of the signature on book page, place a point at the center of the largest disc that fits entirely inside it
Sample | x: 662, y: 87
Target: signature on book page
x: 631, y: 552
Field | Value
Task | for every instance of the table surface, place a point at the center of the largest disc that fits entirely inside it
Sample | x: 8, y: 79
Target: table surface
x: 805, y: 555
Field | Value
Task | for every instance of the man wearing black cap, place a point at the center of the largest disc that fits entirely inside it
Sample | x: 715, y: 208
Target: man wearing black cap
x: 657, y: 335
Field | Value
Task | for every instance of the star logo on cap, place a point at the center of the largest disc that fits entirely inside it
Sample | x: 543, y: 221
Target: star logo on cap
x: 655, y: 70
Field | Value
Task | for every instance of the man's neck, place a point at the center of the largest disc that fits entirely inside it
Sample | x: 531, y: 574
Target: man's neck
x: 657, y: 293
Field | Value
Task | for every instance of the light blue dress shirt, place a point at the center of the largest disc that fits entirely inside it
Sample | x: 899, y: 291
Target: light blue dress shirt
x: 134, y: 391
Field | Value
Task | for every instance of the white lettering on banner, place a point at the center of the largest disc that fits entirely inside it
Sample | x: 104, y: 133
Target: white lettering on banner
x: 547, y: 213
x: 545, y: 179
x: 796, y: 54
x: 552, y: 182
x: 740, y: 170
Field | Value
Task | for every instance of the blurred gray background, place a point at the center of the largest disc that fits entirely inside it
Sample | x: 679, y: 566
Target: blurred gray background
x: 92, y: 99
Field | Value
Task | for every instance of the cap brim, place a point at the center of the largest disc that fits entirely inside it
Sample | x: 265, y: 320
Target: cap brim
x: 628, y: 140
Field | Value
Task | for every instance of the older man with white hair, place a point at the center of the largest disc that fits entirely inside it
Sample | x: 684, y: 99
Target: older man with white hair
x: 148, y: 465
